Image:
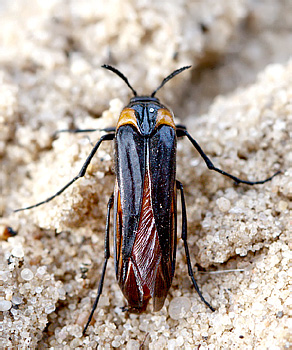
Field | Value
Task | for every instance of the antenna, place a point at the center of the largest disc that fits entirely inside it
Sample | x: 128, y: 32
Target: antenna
x: 121, y: 75
x: 164, y: 81
x: 170, y: 76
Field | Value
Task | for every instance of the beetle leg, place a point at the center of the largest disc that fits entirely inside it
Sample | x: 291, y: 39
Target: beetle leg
x: 81, y: 173
x: 180, y: 130
x: 106, y: 257
x: 77, y: 131
x: 184, y: 238
x: 210, y: 165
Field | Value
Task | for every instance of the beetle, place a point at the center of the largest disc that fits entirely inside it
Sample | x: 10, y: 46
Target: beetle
x: 145, y: 199
x: 7, y: 232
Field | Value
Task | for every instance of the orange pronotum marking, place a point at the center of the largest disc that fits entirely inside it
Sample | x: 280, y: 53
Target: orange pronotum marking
x: 127, y: 116
x: 164, y: 117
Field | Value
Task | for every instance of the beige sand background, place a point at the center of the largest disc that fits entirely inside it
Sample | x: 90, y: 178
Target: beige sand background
x: 236, y: 102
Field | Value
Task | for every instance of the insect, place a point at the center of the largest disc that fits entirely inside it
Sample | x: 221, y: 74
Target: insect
x: 7, y: 232
x: 145, y: 199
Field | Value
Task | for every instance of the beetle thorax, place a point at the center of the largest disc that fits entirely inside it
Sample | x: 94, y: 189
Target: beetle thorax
x: 145, y: 114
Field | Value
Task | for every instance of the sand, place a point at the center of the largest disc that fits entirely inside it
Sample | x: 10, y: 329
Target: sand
x: 236, y: 102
